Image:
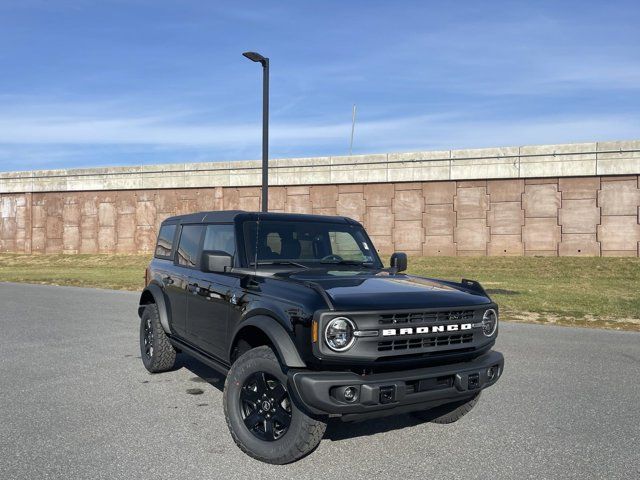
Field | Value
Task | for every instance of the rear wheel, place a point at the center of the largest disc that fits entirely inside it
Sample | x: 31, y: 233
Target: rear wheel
x: 157, y: 353
x: 448, y: 413
x: 262, y: 416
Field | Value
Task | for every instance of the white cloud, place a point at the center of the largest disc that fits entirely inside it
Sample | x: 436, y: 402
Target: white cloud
x: 444, y: 130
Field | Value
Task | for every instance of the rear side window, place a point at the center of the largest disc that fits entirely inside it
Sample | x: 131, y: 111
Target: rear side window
x: 221, y: 238
x: 189, y: 245
x: 165, y: 241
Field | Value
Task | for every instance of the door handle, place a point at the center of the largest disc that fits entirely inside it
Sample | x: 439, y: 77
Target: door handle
x: 167, y: 280
x: 194, y: 288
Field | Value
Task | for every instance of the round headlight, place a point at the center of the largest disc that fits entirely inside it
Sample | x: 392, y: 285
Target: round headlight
x: 339, y: 334
x: 489, y: 322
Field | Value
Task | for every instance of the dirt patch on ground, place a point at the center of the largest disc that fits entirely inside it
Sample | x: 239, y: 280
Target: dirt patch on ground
x: 587, y: 321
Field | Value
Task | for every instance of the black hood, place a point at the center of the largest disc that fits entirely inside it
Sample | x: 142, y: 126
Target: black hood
x: 357, y: 290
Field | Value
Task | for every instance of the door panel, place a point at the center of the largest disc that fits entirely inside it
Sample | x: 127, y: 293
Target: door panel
x: 208, y: 304
x: 174, y: 284
x: 178, y: 279
x: 209, y: 296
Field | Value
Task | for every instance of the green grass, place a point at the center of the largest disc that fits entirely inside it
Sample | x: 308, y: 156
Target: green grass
x: 603, y: 292
x: 600, y: 292
x: 119, y: 272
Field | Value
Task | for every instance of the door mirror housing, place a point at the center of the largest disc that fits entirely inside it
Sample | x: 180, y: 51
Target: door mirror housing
x: 399, y: 261
x: 216, y: 261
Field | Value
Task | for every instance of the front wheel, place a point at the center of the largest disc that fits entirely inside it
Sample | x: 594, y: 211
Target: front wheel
x: 261, y: 414
x: 157, y: 353
x: 448, y: 413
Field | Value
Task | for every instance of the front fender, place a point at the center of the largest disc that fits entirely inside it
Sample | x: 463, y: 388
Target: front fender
x: 279, y: 337
x: 158, y: 296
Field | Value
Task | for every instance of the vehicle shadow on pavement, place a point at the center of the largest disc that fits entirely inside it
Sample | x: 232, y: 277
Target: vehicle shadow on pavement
x: 336, y: 429
x: 204, y: 374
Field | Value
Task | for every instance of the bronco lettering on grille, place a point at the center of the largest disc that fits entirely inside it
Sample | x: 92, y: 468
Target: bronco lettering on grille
x: 391, y: 332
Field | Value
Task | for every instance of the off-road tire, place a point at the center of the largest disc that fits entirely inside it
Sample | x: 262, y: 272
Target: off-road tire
x: 163, y: 356
x: 448, y: 413
x: 304, y: 432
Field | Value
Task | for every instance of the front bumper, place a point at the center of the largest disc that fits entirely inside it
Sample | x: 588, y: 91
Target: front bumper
x: 389, y: 393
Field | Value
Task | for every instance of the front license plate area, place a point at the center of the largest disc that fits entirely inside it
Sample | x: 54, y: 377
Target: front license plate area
x: 436, y: 383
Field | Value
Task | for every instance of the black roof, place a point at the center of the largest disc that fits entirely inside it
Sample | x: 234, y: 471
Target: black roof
x: 230, y: 216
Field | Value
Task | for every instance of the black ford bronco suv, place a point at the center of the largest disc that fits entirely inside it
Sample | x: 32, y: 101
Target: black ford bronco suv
x: 300, y: 314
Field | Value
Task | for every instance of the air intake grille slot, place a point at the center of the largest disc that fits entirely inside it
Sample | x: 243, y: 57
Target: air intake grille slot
x: 424, y: 342
x: 425, y: 317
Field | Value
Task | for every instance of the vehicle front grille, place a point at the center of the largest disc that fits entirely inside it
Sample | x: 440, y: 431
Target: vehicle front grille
x: 424, y: 342
x: 415, y: 317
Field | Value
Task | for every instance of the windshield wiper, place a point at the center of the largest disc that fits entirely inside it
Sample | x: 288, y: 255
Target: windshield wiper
x: 280, y: 262
x: 348, y: 262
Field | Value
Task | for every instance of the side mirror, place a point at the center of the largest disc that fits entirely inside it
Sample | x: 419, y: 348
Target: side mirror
x: 216, y: 261
x: 399, y: 261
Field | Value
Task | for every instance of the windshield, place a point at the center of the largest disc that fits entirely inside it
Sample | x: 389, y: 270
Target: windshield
x: 308, y: 244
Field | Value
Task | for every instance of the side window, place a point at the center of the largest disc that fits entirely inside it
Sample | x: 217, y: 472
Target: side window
x: 165, y: 241
x: 343, y: 244
x: 189, y: 245
x: 221, y: 238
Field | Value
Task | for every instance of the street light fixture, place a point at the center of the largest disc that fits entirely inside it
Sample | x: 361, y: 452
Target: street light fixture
x: 256, y: 57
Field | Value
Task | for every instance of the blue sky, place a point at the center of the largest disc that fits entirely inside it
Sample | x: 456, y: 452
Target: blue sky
x: 88, y: 83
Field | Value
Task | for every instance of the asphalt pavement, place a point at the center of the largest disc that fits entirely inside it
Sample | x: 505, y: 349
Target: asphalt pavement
x: 76, y: 403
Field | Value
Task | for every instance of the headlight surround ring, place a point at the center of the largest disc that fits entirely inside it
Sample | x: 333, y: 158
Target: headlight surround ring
x: 489, y: 322
x: 347, y: 326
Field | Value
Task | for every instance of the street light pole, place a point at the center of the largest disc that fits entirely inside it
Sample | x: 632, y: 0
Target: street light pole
x: 256, y: 57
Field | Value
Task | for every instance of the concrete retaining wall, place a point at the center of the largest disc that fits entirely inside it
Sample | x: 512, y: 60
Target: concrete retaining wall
x: 579, y: 199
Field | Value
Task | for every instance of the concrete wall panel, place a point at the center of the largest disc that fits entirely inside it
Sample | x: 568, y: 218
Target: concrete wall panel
x: 298, y: 204
x: 505, y: 190
x: 439, y: 246
x: 439, y: 219
x: 379, y: 195
x: 579, y: 188
x: 471, y: 235
x: 379, y: 221
x: 323, y: 196
x: 619, y: 233
x: 383, y: 244
x: 351, y: 205
x: 71, y: 239
x: 505, y: 218
x: 505, y: 245
x: 437, y: 193
x: 408, y: 205
x: 408, y: 236
x: 471, y: 202
x: 541, y: 234
x: 619, y: 197
x: 579, y: 245
x: 579, y: 216
x: 542, y: 200
x: 277, y: 198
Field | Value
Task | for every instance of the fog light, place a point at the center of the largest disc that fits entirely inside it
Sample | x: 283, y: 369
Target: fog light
x: 492, y: 372
x: 350, y: 394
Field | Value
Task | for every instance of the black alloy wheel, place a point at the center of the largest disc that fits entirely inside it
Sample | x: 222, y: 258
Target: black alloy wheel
x: 148, y: 338
x: 265, y: 406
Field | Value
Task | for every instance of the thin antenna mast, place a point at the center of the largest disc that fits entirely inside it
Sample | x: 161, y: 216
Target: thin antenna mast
x: 255, y: 257
x: 353, y: 127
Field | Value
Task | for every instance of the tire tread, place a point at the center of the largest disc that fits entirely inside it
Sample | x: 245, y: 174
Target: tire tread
x: 164, y: 355
x: 309, y: 436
